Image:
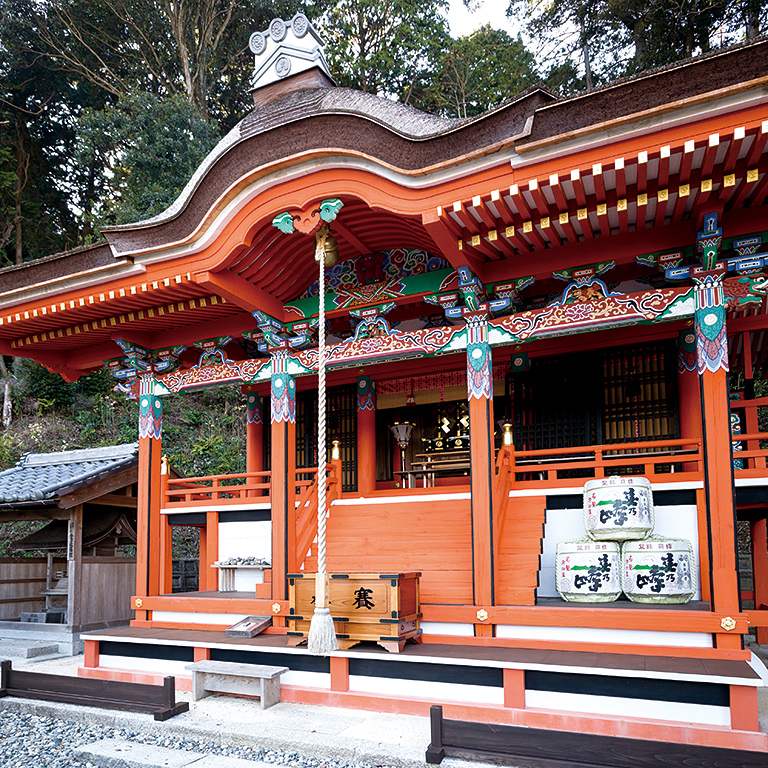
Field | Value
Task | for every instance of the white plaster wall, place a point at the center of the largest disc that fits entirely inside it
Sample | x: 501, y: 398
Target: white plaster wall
x: 567, y: 524
x: 607, y: 636
x: 246, y: 539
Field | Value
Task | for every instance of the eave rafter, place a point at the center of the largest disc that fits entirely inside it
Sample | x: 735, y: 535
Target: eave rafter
x: 650, y: 189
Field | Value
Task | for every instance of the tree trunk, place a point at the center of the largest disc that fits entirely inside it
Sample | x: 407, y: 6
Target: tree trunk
x: 752, y: 18
x: 7, y: 401
x: 585, y: 53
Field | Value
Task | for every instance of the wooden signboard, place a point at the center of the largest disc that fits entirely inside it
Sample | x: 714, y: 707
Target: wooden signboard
x: 383, y: 608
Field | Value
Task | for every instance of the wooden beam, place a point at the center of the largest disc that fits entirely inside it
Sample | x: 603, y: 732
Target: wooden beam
x: 100, y: 488
x: 241, y: 293
x: 115, y: 500
x: 448, y: 244
x: 353, y: 240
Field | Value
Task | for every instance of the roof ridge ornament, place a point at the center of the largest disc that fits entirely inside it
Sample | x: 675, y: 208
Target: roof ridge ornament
x: 286, y: 48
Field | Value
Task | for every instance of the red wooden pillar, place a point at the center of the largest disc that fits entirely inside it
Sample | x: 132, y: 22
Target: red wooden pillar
x: 166, y: 538
x: 480, y: 396
x: 254, y: 432
x: 149, y: 489
x: 366, y: 435
x: 283, y: 482
x: 712, y: 364
x: 689, y: 408
x: 760, y: 572
x: 210, y: 577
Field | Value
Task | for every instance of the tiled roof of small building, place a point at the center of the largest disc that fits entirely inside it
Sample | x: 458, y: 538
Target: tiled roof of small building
x: 41, y: 476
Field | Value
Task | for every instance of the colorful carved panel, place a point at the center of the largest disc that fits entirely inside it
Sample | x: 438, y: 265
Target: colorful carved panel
x: 711, y: 337
x: 366, y: 394
x: 150, y: 410
x: 376, y: 278
x: 478, y: 358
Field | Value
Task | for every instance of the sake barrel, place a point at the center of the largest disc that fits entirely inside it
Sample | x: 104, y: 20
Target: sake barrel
x: 588, y: 571
x: 618, y: 508
x: 658, y: 570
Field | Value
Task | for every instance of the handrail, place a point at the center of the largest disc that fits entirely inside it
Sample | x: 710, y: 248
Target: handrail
x: 607, y: 457
x: 196, y: 490
x: 502, y: 483
x: 306, y: 510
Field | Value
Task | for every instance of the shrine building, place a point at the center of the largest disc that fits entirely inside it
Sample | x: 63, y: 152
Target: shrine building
x: 560, y: 292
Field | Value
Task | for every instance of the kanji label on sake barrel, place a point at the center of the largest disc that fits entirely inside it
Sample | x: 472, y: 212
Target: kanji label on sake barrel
x: 618, y: 508
x: 588, y: 571
x: 659, y: 570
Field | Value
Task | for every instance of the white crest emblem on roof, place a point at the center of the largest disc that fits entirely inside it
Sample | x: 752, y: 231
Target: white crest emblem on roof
x: 286, y: 48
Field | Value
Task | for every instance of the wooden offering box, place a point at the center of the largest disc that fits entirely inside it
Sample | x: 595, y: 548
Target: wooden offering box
x: 365, y: 606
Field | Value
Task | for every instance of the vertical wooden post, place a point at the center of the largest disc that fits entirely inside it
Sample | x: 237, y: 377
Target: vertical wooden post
x: 148, y: 497
x: 712, y: 365
x: 366, y: 435
x: 689, y: 408
x: 339, y: 673
x: 514, y: 688
x: 202, y: 559
x: 74, y: 566
x: 760, y: 571
x: 211, y: 579
x: 254, y: 433
x: 744, y: 708
x: 283, y: 425
x: 166, y: 537
x: 480, y: 395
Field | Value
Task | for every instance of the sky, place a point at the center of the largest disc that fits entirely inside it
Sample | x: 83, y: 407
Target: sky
x: 493, y: 12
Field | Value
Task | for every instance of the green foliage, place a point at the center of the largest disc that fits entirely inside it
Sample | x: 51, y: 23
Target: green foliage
x: 481, y: 71
x: 146, y: 149
x: 606, y: 39
x: 386, y: 47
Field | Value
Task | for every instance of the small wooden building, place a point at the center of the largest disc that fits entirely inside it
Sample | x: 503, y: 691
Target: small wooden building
x: 551, y: 293
x: 78, y: 581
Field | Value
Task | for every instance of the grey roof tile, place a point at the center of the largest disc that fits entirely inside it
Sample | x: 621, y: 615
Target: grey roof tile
x: 40, y: 476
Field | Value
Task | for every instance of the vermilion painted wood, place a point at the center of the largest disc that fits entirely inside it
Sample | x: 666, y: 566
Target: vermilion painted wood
x: 366, y: 451
x: 760, y: 575
x: 210, y: 576
x: 90, y: 653
x: 481, y: 473
x: 148, y: 516
x: 744, y: 709
x: 339, y: 673
x: 716, y: 416
x: 185, y: 604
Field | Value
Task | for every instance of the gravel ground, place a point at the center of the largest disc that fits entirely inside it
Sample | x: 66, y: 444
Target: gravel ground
x: 28, y: 741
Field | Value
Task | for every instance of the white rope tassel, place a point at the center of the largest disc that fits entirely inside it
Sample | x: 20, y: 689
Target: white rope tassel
x: 322, y: 633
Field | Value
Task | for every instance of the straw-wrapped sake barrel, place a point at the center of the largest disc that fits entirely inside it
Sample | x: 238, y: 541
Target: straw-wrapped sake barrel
x: 658, y: 570
x: 618, y: 508
x: 588, y: 571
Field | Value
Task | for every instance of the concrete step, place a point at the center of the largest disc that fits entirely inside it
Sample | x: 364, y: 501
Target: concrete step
x: 119, y: 753
x: 27, y: 649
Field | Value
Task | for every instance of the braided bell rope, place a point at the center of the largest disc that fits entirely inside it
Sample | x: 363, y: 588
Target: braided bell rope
x: 321, y: 405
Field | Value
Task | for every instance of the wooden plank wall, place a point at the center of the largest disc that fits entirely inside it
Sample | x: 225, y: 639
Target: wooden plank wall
x: 107, y: 586
x: 519, y: 552
x: 434, y: 537
x: 22, y: 577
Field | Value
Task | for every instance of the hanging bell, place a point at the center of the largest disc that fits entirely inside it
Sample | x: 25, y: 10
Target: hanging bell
x: 331, y: 251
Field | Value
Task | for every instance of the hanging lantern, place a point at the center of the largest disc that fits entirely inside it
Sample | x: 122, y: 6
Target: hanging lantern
x: 402, y: 432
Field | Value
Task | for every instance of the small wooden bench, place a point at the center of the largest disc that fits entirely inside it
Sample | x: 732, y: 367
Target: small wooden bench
x: 245, y: 679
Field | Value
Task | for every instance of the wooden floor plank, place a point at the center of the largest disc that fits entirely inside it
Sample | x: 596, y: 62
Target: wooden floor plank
x: 586, y: 660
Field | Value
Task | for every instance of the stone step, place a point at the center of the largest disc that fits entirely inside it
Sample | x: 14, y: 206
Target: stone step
x: 120, y: 753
